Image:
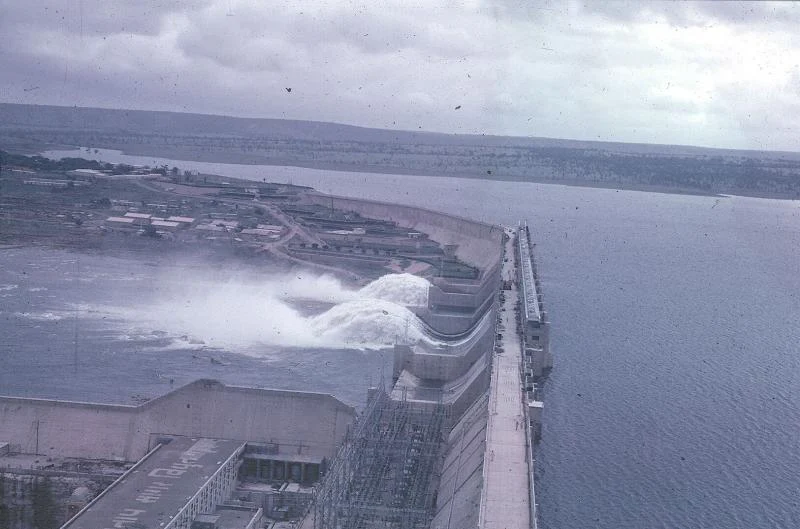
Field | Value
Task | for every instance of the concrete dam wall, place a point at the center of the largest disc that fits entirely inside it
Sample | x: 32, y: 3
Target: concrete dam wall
x: 299, y: 422
x: 478, y: 243
x: 454, y: 305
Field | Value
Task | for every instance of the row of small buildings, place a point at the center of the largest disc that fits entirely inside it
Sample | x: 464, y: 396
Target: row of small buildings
x: 134, y: 220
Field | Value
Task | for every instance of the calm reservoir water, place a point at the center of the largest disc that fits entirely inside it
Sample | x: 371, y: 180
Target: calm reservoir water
x: 675, y: 398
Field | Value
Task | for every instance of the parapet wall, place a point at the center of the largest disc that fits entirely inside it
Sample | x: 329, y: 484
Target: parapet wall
x: 458, y: 309
x: 454, y: 323
x: 206, y: 408
x: 478, y: 243
x: 468, y: 295
x: 461, y: 482
x: 443, y: 364
x: 309, y: 423
x: 68, y: 429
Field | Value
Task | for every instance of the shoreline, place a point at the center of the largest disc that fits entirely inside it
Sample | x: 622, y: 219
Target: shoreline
x: 244, y: 160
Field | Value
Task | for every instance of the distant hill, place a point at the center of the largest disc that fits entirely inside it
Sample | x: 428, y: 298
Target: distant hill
x: 179, y: 124
x: 336, y: 146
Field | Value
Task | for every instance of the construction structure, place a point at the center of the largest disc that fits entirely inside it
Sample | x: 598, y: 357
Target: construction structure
x: 203, y: 449
x: 299, y: 424
x: 451, y: 445
x: 383, y: 476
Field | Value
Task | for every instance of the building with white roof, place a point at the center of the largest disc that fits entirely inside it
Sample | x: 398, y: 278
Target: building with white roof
x: 141, y: 219
x: 183, y: 220
x: 165, y: 225
x: 258, y: 232
x: 121, y: 222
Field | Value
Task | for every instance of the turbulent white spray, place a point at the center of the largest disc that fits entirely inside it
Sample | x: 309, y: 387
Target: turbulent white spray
x: 403, y: 289
x: 244, y: 313
x: 367, y: 322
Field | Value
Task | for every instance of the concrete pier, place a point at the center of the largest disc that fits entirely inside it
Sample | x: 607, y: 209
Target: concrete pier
x: 506, y: 497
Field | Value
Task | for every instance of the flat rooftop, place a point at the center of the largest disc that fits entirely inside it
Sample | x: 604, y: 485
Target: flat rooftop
x: 153, y: 492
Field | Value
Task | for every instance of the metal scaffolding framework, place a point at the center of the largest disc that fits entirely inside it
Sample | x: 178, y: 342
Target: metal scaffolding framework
x: 386, y: 473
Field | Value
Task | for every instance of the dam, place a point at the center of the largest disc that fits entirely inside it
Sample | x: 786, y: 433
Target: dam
x: 447, y: 441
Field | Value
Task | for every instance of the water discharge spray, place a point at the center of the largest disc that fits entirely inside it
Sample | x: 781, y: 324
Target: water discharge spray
x: 244, y: 313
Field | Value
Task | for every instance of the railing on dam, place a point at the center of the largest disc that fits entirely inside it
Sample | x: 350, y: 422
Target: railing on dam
x: 215, y: 490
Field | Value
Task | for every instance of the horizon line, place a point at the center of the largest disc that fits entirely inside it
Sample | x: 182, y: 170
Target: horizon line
x: 409, y: 131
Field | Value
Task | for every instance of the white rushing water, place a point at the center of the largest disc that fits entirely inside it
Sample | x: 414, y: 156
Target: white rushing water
x: 403, y: 289
x: 246, y: 312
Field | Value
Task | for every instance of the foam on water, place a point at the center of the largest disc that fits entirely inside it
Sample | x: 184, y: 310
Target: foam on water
x: 403, y: 289
x: 40, y: 316
x: 369, y: 323
x: 246, y: 313
x: 309, y: 286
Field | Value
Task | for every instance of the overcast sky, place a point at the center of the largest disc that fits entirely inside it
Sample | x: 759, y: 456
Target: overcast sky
x: 716, y: 74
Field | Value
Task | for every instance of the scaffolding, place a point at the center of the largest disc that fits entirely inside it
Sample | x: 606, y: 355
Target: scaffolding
x: 386, y: 473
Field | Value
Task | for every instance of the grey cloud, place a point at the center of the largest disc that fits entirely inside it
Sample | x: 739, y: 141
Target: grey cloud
x: 694, y: 13
x: 236, y: 53
x: 94, y: 17
x: 383, y: 31
x: 575, y: 70
x: 741, y: 13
